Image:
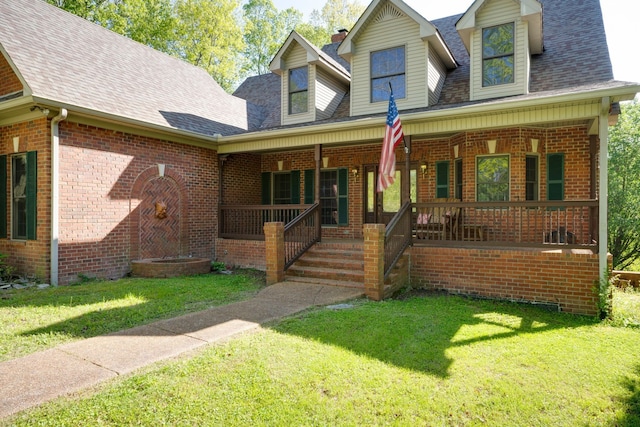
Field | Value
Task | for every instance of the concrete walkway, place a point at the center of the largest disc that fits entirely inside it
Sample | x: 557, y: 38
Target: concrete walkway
x: 34, y: 379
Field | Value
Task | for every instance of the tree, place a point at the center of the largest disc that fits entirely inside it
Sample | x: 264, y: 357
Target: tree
x: 335, y: 15
x: 208, y: 35
x: 150, y: 22
x: 264, y: 32
x: 86, y: 9
x: 624, y: 187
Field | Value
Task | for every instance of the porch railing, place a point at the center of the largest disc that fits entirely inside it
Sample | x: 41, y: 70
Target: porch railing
x: 300, y: 234
x: 397, y: 237
x: 532, y: 224
x: 246, y: 222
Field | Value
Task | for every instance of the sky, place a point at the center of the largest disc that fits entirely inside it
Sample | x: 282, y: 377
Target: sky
x: 620, y: 19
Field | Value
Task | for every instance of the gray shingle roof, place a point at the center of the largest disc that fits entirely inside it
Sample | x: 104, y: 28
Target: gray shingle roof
x: 69, y: 60
x: 66, y: 59
x: 263, y: 91
x: 576, y: 58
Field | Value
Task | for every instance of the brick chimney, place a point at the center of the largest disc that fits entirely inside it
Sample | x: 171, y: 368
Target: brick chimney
x: 341, y: 35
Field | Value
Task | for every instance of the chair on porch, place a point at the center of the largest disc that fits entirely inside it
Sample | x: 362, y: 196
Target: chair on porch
x: 439, y: 222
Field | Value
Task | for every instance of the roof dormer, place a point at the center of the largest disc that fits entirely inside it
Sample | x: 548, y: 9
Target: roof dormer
x: 393, y: 44
x: 501, y: 36
x: 312, y: 83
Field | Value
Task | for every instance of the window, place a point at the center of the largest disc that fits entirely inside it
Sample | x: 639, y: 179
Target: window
x: 492, y: 178
x: 458, y: 179
x: 442, y: 179
x: 531, y: 178
x: 497, y: 55
x: 334, y: 203
x: 23, y: 196
x: 329, y: 196
x: 555, y: 176
x: 282, y: 188
x: 387, y: 67
x: 298, y: 90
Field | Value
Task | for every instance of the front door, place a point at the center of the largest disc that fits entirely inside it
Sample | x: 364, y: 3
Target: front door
x: 381, y: 207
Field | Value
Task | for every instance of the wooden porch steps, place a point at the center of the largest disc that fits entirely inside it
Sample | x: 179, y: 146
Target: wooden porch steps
x: 330, y: 263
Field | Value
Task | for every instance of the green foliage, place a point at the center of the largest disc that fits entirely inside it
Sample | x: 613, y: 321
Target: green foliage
x: 36, y: 319
x: 150, y: 22
x: 335, y: 15
x: 6, y: 271
x: 436, y: 361
x: 218, y: 266
x: 626, y: 307
x: 87, y: 9
x: 624, y: 187
x: 265, y: 30
x: 208, y: 35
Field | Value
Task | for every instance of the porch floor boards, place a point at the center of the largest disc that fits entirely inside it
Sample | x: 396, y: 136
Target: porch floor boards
x: 332, y: 263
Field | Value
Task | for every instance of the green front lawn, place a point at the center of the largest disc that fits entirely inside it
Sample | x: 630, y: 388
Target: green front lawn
x: 35, y: 319
x: 419, y: 361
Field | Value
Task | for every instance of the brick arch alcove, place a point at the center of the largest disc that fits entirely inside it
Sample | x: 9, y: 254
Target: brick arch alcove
x: 153, y: 237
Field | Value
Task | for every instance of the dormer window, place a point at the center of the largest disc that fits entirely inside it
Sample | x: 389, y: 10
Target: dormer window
x: 298, y: 90
x: 497, y: 55
x: 388, y: 67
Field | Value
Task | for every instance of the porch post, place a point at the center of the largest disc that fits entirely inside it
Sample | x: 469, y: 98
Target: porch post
x: 406, y: 183
x: 316, y: 188
x: 374, y: 261
x: 603, y: 237
x: 274, y: 251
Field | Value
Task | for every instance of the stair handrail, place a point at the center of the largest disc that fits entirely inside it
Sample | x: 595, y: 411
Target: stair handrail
x: 300, y: 234
x: 397, y: 237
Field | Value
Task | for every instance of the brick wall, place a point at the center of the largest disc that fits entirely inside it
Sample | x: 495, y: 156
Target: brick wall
x: 102, y: 177
x: 572, y: 141
x: 9, y: 82
x: 30, y: 257
x: 241, y: 179
x: 241, y: 253
x: 553, y: 277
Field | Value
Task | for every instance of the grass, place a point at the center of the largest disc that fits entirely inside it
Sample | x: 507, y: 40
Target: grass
x: 626, y: 307
x: 35, y: 319
x: 435, y: 360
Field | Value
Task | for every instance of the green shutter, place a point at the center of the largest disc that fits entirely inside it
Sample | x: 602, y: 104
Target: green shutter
x: 266, y: 188
x: 343, y: 200
x: 3, y: 197
x: 555, y: 176
x: 32, y: 191
x: 309, y: 186
x: 442, y: 179
x: 295, y: 187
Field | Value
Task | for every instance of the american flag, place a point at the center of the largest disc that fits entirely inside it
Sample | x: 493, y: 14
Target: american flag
x: 392, y: 137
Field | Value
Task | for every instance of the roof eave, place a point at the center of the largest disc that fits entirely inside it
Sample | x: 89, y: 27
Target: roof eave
x: 127, y: 124
x: 623, y: 93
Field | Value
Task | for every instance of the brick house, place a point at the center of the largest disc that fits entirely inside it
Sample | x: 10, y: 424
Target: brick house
x: 498, y: 193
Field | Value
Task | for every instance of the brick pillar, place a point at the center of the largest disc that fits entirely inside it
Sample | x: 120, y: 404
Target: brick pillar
x: 274, y: 251
x: 374, y: 261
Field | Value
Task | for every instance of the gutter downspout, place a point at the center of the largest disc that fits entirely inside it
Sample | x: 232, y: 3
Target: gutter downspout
x: 603, y: 194
x: 55, y: 194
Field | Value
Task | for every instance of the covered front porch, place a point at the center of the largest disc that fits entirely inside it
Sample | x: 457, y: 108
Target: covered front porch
x: 509, y: 213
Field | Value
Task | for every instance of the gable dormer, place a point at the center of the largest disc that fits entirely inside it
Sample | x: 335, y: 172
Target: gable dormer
x: 392, y: 43
x: 312, y: 83
x: 501, y: 36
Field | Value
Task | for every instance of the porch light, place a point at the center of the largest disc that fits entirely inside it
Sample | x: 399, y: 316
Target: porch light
x: 423, y: 169
x: 354, y: 171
